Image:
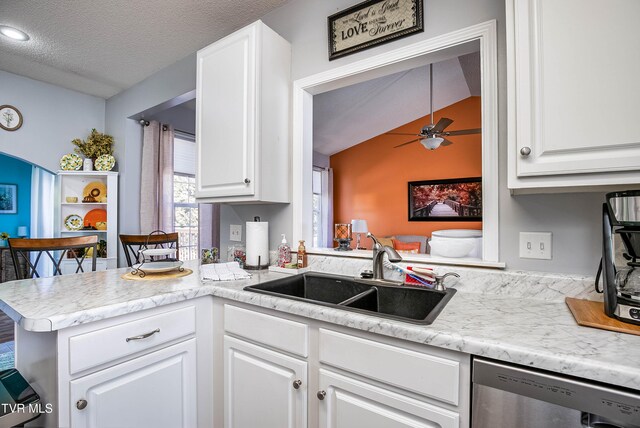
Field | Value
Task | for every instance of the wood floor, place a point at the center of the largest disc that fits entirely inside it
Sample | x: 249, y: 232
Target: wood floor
x: 6, y: 328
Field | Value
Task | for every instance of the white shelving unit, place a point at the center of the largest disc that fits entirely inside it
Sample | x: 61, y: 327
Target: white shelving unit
x: 72, y: 183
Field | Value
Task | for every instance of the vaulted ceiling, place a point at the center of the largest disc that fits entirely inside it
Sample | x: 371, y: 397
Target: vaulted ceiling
x: 103, y: 47
x: 345, y: 117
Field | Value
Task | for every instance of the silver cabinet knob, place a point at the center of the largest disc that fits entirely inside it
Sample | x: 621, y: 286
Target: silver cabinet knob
x: 525, y: 151
x: 297, y: 384
x: 81, y: 404
x: 321, y: 395
x: 247, y: 181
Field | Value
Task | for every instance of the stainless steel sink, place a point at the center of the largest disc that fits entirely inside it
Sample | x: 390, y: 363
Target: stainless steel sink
x: 403, y: 303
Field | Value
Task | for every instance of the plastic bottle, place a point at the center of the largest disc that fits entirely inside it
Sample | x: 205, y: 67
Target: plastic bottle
x: 284, y: 252
x: 302, y: 255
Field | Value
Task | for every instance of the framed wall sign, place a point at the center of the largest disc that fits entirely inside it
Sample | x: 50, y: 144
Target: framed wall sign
x: 8, y: 198
x: 372, y: 23
x: 458, y: 199
x: 10, y: 118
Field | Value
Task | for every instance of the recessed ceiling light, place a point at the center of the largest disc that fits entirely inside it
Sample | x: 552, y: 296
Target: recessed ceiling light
x: 13, y: 33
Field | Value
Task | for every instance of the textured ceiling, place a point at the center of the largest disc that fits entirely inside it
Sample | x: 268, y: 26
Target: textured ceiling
x: 103, y: 47
x: 345, y: 117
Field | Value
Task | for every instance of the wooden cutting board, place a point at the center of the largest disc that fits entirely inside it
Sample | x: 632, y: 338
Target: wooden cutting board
x: 591, y: 314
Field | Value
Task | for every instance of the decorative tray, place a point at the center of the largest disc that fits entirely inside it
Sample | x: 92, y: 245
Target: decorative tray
x: 158, y: 252
x: 145, y: 268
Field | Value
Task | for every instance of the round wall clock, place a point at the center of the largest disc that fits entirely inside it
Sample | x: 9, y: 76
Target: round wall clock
x: 10, y: 118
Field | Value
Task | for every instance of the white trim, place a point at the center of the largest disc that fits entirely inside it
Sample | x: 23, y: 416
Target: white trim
x: 303, y: 90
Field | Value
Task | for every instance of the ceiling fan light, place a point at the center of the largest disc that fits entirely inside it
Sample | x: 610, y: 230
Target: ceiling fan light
x: 431, y: 143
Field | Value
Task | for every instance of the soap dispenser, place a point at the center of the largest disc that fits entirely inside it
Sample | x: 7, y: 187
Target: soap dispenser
x: 302, y: 256
x: 284, y: 252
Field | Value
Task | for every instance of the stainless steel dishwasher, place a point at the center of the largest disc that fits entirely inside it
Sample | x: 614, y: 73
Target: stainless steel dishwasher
x: 509, y: 396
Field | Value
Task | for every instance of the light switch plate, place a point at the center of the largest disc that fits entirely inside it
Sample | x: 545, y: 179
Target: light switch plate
x: 236, y: 233
x: 535, y: 245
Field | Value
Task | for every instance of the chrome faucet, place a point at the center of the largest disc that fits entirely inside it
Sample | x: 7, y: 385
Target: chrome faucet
x: 379, y: 251
x: 439, y: 285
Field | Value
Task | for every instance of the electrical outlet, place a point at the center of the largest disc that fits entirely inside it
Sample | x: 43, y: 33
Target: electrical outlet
x: 535, y: 245
x: 236, y: 233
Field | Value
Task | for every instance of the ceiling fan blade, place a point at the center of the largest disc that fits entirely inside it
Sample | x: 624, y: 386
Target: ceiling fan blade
x: 446, y: 143
x: 442, y: 124
x: 463, y: 132
x: 408, y: 142
x: 399, y: 133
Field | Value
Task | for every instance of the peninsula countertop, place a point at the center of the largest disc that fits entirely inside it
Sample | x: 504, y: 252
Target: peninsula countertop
x: 527, y: 331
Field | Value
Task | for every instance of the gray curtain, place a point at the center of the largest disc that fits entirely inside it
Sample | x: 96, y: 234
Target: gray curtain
x: 156, y: 181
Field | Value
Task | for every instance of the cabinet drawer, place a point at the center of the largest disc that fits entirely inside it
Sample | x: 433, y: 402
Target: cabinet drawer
x: 279, y: 333
x: 432, y: 376
x: 98, y: 347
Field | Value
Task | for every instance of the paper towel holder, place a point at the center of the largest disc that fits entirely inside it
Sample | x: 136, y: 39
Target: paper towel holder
x: 260, y: 265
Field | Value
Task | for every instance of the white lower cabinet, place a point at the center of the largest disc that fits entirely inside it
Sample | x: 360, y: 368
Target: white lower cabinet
x: 346, y: 402
x: 263, y: 388
x: 154, y: 390
x: 351, y: 379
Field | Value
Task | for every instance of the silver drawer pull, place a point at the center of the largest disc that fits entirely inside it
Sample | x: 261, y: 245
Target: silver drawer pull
x: 144, y: 336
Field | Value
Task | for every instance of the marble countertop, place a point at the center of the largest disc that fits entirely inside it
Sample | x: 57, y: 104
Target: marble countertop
x: 478, y: 320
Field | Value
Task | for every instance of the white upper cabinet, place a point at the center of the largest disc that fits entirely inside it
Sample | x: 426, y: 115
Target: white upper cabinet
x: 574, y: 92
x: 243, y: 118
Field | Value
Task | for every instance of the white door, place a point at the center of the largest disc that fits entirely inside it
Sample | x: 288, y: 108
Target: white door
x: 574, y: 67
x: 226, y: 116
x: 263, y: 388
x: 349, y: 403
x: 155, y: 390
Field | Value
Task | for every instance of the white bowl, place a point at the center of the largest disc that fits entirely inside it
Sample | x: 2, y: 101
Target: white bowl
x: 456, y: 243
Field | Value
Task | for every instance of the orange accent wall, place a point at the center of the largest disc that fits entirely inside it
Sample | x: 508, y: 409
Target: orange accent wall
x: 370, y: 179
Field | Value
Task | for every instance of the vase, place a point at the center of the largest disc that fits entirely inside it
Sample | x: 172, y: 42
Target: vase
x: 87, y: 165
x: 3, y: 242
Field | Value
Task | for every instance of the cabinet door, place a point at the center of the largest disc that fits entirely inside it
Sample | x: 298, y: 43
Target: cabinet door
x: 155, y: 390
x: 573, y: 86
x: 259, y: 388
x: 226, y: 116
x: 351, y: 403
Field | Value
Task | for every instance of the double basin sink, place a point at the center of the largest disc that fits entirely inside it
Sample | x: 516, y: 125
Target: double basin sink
x: 373, y: 297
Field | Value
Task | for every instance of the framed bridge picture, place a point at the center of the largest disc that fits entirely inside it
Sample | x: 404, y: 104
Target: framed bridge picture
x: 372, y: 23
x: 458, y: 199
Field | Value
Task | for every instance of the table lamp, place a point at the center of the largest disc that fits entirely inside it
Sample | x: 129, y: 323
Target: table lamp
x: 22, y: 232
x: 359, y: 226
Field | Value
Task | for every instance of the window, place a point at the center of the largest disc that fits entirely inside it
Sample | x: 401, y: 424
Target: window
x: 317, y: 208
x: 185, y: 208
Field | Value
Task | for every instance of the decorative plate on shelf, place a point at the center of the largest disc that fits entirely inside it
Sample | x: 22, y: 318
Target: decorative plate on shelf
x: 96, y: 190
x: 105, y: 163
x: 93, y: 217
x: 73, y: 222
x: 70, y: 162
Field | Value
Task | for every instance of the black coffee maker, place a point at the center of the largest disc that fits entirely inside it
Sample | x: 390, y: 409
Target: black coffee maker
x: 621, y: 283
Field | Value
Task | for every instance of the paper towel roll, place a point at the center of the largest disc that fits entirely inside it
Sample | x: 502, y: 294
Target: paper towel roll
x: 257, y: 244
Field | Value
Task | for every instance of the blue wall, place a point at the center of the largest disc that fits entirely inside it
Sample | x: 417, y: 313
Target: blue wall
x: 15, y: 171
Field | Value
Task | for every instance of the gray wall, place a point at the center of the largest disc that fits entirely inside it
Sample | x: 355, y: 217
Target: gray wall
x: 167, y: 84
x: 573, y: 218
x: 182, y: 118
x: 52, y: 117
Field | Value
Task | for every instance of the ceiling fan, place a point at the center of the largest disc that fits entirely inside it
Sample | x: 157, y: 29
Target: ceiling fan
x: 433, y: 136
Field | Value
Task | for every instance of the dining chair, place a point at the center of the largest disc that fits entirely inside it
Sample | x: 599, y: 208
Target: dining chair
x: 132, y: 244
x: 56, y: 249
